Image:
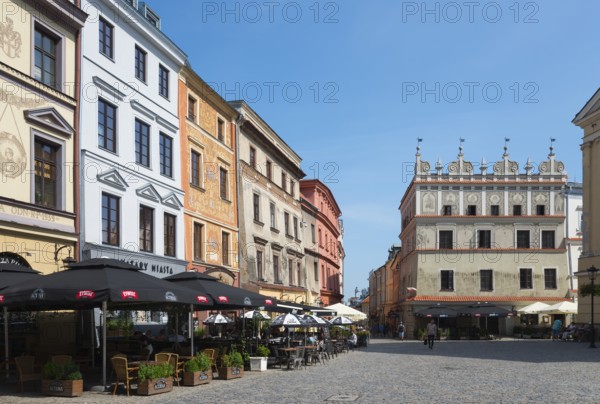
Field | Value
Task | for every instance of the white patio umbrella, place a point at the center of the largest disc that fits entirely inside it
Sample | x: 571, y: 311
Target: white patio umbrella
x: 218, y: 319
x: 288, y: 321
x: 533, y: 308
x: 257, y: 315
x: 341, y: 320
x: 561, y: 308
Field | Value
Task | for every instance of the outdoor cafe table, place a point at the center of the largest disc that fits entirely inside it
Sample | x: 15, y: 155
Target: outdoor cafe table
x: 288, y: 352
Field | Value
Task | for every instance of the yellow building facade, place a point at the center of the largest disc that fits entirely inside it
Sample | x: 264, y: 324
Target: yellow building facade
x: 39, y: 62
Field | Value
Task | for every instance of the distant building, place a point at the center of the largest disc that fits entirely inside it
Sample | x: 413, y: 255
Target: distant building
x: 496, y: 237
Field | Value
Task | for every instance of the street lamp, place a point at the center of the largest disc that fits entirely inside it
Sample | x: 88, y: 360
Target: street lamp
x: 592, y: 271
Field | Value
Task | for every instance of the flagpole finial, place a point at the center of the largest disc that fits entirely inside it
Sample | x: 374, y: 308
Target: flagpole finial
x: 460, y: 146
x: 419, y: 140
x: 506, y: 140
x: 552, y: 140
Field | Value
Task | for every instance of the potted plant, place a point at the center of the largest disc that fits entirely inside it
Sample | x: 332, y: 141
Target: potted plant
x: 232, y: 366
x: 63, y: 380
x: 197, y: 370
x: 258, y: 363
x: 155, y: 379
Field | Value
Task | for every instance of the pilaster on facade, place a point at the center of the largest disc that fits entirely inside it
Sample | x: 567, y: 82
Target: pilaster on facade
x: 39, y: 136
x: 272, y: 236
x: 132, y: 190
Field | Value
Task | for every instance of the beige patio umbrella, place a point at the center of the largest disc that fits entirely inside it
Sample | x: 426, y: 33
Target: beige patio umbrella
x: 533, y: 308
x: 561, y: 308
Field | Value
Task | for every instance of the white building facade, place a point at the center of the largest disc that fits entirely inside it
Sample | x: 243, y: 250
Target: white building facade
x: 131, y: 195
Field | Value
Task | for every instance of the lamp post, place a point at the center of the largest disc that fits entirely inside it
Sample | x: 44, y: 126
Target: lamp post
x: 592, y: 271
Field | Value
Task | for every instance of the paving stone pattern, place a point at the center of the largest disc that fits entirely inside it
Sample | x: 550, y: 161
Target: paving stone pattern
x: 390, y: 371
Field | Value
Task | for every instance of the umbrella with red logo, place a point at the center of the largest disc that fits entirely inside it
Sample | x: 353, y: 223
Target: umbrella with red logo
x: 224, y: 296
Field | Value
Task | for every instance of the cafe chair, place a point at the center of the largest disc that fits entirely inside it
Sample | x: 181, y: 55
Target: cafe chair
x: 212, y: 355
x: 162, y: 357
x: 176, y: 366
x: 124, y: 373
x: 61, y: 359
x: 26, y: 370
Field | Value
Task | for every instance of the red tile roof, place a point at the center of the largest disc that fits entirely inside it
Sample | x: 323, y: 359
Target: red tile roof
x: 488, y: 299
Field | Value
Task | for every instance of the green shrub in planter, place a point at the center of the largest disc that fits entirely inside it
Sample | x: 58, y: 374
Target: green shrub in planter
x: 199, y: 363
x: 56, y: 371
x: 154, y: 371
x: 233, y: 360
x: 263, y: 351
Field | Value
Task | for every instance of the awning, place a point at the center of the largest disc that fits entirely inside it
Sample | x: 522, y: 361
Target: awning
x: 288, y: 307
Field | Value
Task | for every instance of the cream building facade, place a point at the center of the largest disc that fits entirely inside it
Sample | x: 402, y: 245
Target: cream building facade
x: 496, y: 236
x: 39, y: 69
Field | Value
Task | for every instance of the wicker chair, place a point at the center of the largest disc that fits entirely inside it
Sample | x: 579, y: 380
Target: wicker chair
x: 61, y: 359
x: 212, y: 355
x: 177, y: 367
x: 26, y: 370
x: 162, y: 357
x: 124, y: 373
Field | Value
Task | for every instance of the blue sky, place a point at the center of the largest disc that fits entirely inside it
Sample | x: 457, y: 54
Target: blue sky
x: 350, y: 86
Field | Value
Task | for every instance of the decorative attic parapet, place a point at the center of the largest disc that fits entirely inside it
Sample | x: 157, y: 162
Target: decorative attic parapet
x: 460, y: 166
x: 506, y: 166
x: 421, y: 167
x: 552, y: 166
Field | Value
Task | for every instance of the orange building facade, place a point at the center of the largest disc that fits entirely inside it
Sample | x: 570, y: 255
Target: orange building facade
x: 208, y: 161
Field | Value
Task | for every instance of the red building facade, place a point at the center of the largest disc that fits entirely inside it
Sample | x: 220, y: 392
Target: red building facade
x: 328, y: 239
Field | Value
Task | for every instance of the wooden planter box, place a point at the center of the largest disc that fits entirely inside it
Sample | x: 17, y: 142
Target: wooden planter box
x: 62, y: 388
x: 230, y: 373
x: 258, y: 364
x: 155, y: 386
x: 196, y: 378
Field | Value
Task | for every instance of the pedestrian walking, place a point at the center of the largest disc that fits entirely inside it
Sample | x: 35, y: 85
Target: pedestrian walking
x: 401, y: 331
x: 431, y: 332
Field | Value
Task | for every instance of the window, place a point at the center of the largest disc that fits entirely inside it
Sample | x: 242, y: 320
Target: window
x: 320, y: 238
x: 298, y: 274
x: 105, y: 36
x: 526, y: 278
x: 163, y: 81
x: 252, y: 157
x: 495, y: 210
x: 146, y: 228
x: 107, y: 126
x: 291, y: 271
x: 312, y: 233
x: 166, y: 155
x: 170, y: 231
x: 259, y: 265
x: 316, y: 271
x: 550, y: 278
x: 540, y: 210
x: 256, y: 205
x: 548, y: 239
x: 46, y: 173
x: 447, y: 210
x: 484, y: 239
x: 110, y: 219
x: 223, y: 183
x: 522, y: 238
x: 140, y: 64
x: 225, y: 248
x: 198, y: 241
x: 516, y: 210
x: 142, y: 143
x: 292, y: 185
x: 295, y: 227
x: 286, y: 223
x: 195, y: 168
x: 276, y: 269
x: 269, y: 170
x: 45, y: 57
x: 486, y: 279
x: 272, y: 214
x: 471, y: 210
x: 191, y: 112
x: 284, y: 181
x: 446, y: 239
x: 220, y: 129
x: 447, y: 277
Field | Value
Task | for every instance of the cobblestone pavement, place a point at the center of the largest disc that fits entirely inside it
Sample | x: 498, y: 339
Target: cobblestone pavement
x: 390, y: 371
